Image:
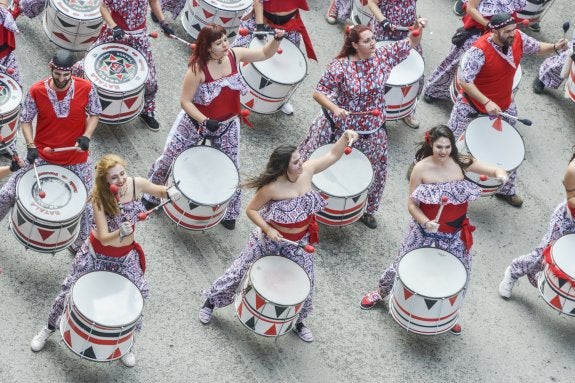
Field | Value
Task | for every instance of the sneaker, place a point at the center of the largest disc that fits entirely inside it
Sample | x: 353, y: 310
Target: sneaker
x: 429, y: 99
x: 153, y: 17
x: 535, y: 27
x: 150, y: 122
x: 39, y: 341
x: 303, y: 332
x: 456, y: 330
x: 368, y: 220
x: 458, y: 8
x: 370, y: 300
x: 129, y: 359
x: 15, y: 9
x: 206, y: 312
x: 513, y: 200
x: 507, y: 284
x: 538, y: 86
x: 287, y: 109
x: 229, y: 224
x: 411, y: 121
x: 331, y: 16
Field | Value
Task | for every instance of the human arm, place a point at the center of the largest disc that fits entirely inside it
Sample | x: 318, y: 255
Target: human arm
x: 326, y: 103
x: 415, y: 211
x: 328, y: 88
x: 189, y: 88
x: 317, y: 165
x: 117, y: 32
x: 259, y: 11
x: 260, y: 54
x: 376, y: 11
x: 488, y: 170
x: 159, y: 191
x: 156, y: 9
x: 472, y: 62
x: 260, y: 198
x: 474, y: 13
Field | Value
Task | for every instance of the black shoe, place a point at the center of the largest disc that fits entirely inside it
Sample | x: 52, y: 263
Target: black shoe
x: 229, y: 224
x: 538, y: 86
x: 535, y: 27
x: 150, y: 122
x: 369, y: 221
x: 458, y: 8
x: 427, y: 98
x: 154, y: 18
x: 149, y: 205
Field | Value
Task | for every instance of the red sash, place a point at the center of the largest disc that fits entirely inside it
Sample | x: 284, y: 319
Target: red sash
x: 296, y: 24
x: 118, y: 252
x: 451, y: 213
x: 312, y: 229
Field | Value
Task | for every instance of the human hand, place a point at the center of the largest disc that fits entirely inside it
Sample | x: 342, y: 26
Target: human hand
x: 125, y: 229
x: 260, y: 28
x: 492, y: 108
x: 211, y: 125
x: 431, y: 226
x: 387, y: 25
x: 279, y: 34
x: 118, y: 33
x: 31, y: 155
x: 173, y: 193
x: 15, y: 165
x: 273, y: 234
x: 340, y: 112
x: 83, y: 142
x: 165, y: 26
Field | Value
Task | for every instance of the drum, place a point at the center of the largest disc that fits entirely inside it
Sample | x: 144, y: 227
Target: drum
x: 273, y: 81
x: 101, y: 315
x: 360, y: 13
x: 72, y: 25
x: 557, y: 281
x: 403, y: 85
x: 503, y: 148
x: 271, y: 295
x: 207, y: 179
x: 344, y: 186
x: 227, y: 13
x: 428, y: 291
x: 119, y: 72
x: 455, y: 89
x: 533, y: 11
x: 51, y: 223
x: 570, y: 83
x: 10, y: 103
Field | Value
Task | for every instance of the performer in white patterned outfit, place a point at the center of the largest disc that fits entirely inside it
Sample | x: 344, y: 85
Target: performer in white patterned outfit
x: 8, y: 30
x: 439, y: 172
x: 550, y: 71
x: 210, y: 102
x: 111, y: 245
x: 284, y: 206
x: 562, y: 222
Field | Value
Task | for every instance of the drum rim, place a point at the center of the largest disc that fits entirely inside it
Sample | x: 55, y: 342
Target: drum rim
x: 563, y: 238
x: 14, y: 93
x: 51, y: 4
x: 256, y: 65
x: 419, y: 59
x: 248, y: 3
x: 478, y: 183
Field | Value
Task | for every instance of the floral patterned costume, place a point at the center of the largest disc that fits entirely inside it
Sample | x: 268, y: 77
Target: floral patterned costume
x: 550, y: 70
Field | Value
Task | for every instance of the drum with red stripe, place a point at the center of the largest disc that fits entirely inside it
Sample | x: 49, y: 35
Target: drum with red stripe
x: 533, y: 11
x: 51, y: 223
x: 10, y: 104
x: 455, y: 89
x: 344, y: 186
x: 570, y: 83
x: 428, y: 291
x: 403, y: 86
x: 207, y: 179
x: 271, y: 295
x: 557, y: 281
x: 499, y: 147
x: 273, y: 81
x: 227, y: 13
x: 101, y: 315
x: 360, y: 13
x: 72, y: 25
x: 119, y: 72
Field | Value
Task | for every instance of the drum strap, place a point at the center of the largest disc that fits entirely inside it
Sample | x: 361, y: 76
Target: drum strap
x: 468, y: 100
x: 334, y: 127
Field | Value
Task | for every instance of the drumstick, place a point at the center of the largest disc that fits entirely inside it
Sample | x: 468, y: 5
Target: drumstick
x: 42, y: 193
x: 347, y: 149
x: 443, y: 203
x: 8, y: 70
x: 48, y: 149
x: 307, y: 248
x: 566, y: 27
x: 483, y: 177
x: 374, y: 112
x: 144, y: 214
x: 153, y: 34
x: 524, y: 121
x: 192, y: 46
x: 245, y: 32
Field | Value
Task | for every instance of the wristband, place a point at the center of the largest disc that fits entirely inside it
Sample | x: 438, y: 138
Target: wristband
x: 487, y: 102
x: 556, y: 51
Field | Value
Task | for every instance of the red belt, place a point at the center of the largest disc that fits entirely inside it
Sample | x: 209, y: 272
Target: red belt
x: 296, y: 24
x: 118, y: 252
x: 312, y: 229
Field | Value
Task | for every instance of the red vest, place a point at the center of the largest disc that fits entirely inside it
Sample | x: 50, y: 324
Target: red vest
x: 55, y: 132
x: 495, y: 79
x: 274, y: 6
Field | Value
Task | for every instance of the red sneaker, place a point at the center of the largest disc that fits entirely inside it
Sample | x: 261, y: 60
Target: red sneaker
x: 15, y: 9
x: 370, y: 300
x: 456, y: 330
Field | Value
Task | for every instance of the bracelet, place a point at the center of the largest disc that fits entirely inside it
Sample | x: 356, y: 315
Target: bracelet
x: 425, y: 224
x: 30, y: 145
x: 486, y: 102
x: 556, y: 51
x: 276, y: 38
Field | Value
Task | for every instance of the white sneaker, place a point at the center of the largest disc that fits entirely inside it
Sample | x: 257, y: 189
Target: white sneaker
x: 506, y: 285
x: 205, y: 315
x: 287, y: 109
x: 39, y: 341
x: 129, y: 359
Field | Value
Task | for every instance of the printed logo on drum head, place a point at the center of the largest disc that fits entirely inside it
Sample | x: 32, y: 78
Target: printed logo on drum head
x: 4, y: 93
x: 83, y: 5
x: 116, y: 67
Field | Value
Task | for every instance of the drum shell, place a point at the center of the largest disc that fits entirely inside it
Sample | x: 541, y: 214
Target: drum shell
x: 570, y: 83
x: 558, y: 292
x: 200, y: 13
x: 360, y: 13
x: 267, y: 93
x: 533, y: 11
x: 68, y: 32
x: 454, y: 88
x: 9, y: 111
x: 425, y: 315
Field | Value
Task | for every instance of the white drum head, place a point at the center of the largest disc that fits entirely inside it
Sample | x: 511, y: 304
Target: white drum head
x: 280, y: 280
x: 562, y: 254
x: 10, y: 94
x: 232, y: 5
x: 349, y: 176
x: 409, y: 71
x: 107, y: 298
x: 65, y: 193
x: 205, y: 175
x: 79, y: 10
x: 503, y: 148
x: 116, y: 67
x: 287, y: 68
x: 432, y: 272
x: 517, y: 77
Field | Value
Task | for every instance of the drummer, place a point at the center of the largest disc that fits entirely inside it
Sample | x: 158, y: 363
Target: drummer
x: 111, y: 245
x: 487, y: 72
x: 439, y: 172
x: 210, y: 100
x: 66, y: 109
x: 562, y: 223
x: 284, y: 206
x: 351, y: 87
x: 550, y: 71
x: 280, y: 14
x: 8, y: 29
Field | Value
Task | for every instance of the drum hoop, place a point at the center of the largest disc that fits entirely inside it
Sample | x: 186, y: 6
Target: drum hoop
x: 256, y: 65
x: 95, y: 11
x: 16, y: 94
x: 478, y: 183
x: 212, y: 3
x: 572, y: 235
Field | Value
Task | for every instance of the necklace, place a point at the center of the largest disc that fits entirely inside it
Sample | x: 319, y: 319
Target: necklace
x: 218, y: 60
x: 294, y: 181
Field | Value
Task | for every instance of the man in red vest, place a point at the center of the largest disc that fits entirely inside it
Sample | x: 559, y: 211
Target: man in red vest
x: 486, y: 79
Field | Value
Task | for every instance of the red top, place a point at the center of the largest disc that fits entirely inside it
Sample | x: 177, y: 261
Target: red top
x: 312, y: 229
x: 495, y: 79
x: 7, y: 38
x: 121, y: 22
x: 55, y: 132
x: 452, y: 219
x: 274, y: 6
x: 227, y: 104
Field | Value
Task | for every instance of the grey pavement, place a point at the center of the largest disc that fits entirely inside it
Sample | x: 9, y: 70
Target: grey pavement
x: 503, y: 341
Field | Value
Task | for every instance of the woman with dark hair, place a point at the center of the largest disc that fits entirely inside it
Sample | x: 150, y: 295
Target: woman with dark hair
x: 353, y: 85
x: 111, y: 245
x: 283, y: 207
x: 210, y: 102
x: 562, y: 223
x: 439, y: 171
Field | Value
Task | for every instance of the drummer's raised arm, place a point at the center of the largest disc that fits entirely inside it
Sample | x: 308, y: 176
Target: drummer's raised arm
x: 105, y: 12
x: 263, y: 53
x: 320, y: 164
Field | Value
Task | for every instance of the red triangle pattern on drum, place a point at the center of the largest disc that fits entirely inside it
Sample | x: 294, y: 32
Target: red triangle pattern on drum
x: 244, y: 63
x: 405, y: 90
x: 61, y: 36
x: 250, y: 103
x: 90, y: 40
x: 45, y: 234
x: 68, y: 338
x: 130, y: 101
x: 407, y: 294
x: 115, y: 355
x: 12, y: 124
x: 271, y: 331
x: 556, y: 302
x: 207, y: 14
x: 453, y: 299
x: 259, y: 302
x: 240, y: 309
x: 216, y: 207
x: 324, y: 196
x: 297, y: 308
x: 195, y: 3
x: 225, y: 20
